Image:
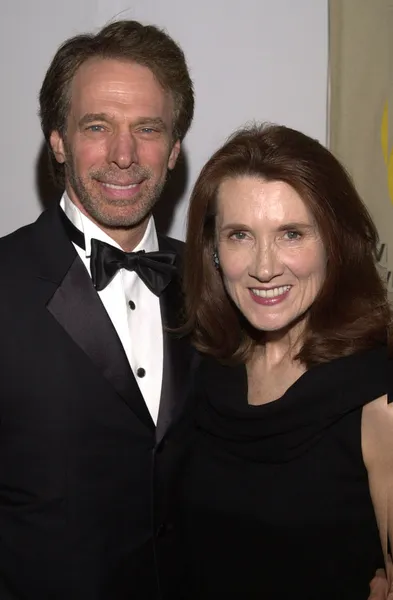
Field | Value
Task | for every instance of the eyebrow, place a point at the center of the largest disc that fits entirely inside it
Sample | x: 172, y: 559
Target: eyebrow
x: 234, y: 226
x: 91, y: 117
x: 151, y: 121
x: 284, y: 227
x: 289, y: 226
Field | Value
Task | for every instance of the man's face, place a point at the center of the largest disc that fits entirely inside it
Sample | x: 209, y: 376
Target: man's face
x: 118, y: 143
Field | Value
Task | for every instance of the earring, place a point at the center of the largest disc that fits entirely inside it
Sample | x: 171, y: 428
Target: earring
x: 216, y: 260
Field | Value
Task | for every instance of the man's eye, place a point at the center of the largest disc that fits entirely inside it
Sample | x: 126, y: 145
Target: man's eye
x: 95, y: 128
x: 150, y: 130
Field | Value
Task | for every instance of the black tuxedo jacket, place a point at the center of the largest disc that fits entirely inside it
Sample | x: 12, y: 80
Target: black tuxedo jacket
x: 85, y: 476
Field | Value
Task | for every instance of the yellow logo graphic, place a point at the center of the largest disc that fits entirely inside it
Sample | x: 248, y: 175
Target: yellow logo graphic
x: 387, y: 155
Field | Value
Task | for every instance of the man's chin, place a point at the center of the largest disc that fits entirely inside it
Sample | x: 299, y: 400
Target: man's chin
x: 116, y: 220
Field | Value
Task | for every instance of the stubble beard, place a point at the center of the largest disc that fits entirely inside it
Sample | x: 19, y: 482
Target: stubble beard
x: 116, y: 213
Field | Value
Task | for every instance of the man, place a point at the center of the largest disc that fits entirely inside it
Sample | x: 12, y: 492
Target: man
x: 92, y: 382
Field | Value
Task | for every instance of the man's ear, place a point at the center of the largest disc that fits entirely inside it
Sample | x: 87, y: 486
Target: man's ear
x: 57, y: 145
x: 173, y: 155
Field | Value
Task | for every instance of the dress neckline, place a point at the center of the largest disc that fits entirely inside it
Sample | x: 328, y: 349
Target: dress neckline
x: 311, y: 405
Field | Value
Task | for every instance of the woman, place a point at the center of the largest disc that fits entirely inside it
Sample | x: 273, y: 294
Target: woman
x: 286, y: 494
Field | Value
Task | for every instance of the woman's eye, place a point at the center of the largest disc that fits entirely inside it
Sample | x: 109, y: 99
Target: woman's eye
x: 293, y: 235
x: 238, y: 235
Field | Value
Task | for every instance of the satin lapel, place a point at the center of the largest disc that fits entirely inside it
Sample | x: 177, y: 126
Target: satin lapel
x: 178, y: 354
x: 77, y: 307
x: 79, y: 310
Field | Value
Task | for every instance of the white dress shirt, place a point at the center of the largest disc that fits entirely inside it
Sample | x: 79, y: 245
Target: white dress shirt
x: 133, y: 309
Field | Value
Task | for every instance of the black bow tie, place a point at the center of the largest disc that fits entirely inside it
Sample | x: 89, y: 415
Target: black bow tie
x: 155, y: 269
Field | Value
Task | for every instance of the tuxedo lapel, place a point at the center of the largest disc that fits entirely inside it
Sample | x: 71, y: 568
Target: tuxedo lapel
x: 178, y: 353
x: 79, y: 310
x: 77, y: 307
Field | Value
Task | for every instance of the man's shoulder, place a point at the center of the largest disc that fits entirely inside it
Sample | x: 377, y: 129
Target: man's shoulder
x: 16, y: 240
x: 26, y: 241
x: 17, y: 255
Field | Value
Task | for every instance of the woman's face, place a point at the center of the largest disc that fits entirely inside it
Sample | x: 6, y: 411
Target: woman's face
x: 271, y: 254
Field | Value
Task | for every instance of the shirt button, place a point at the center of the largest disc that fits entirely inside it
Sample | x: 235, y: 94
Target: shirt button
x: 141, y: 372
x: 132, y: 305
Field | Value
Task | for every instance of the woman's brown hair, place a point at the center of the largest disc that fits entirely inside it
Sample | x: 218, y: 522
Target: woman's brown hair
x: 351, y: 312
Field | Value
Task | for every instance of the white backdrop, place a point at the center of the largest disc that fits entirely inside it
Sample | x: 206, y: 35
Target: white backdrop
x: 250, y: 60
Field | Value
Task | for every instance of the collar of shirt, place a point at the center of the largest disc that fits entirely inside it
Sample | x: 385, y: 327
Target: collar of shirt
x: 149, y: 242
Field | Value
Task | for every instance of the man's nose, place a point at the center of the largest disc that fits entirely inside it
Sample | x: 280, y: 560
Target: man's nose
x: 123, y: 151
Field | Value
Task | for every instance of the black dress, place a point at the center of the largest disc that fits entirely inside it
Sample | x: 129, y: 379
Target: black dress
x: 275, y: 498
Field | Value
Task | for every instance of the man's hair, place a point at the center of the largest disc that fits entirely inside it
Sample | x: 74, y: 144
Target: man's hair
x: 351, y: 311
x: 145, y: 45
